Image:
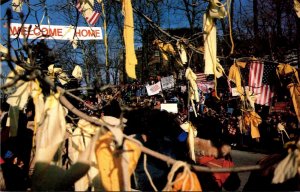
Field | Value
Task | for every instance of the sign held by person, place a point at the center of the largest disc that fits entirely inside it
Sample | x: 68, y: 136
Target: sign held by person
x: 280, y: 107
x: 167, y: 82
x: 153, y: 89
x: 170, y: 107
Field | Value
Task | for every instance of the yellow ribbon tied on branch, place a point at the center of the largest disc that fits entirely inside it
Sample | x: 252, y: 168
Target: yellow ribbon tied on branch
x: 128, y: 33
x: 252, y: 119
x: 110, y: 162
x: 166, y: 49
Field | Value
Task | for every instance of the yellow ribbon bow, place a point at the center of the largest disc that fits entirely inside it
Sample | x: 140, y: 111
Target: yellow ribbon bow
x: 252, y: 119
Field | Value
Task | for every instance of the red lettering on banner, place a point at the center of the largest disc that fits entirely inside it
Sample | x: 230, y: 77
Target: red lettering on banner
x: 14, y: 30
x: 30, y: 32
x: 36, y: 32
x: 97, y: 33
x: 78, y: 33
x: 59, y: 32
x: 44, y: 31
x: 84, y: 35
x: 90, y: 33
x: 52, y: 32
x: 23, y: 30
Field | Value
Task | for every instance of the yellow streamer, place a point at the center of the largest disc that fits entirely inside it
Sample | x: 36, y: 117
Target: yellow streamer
x: 252, y: 119
x: 105, y: 34
x: 128, y: 34
x: 109, y: 163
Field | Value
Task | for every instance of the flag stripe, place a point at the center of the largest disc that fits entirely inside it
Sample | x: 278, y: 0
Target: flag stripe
x: 201, y: 78
x: 93, y: 20
x: 262, y: 91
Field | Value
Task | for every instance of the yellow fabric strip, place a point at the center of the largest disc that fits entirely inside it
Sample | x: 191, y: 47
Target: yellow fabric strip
x: 252, y: 119
x: 105, y: 34
x: 128, y: 33
x: 17, y: 5
x: 235, y: 76
x: 297, y: 7
x: 285, y: 69
x: 295, y: 94
x: 110, y: 163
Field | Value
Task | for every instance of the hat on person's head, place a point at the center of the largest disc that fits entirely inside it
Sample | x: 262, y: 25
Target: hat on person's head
x: 8, y: 154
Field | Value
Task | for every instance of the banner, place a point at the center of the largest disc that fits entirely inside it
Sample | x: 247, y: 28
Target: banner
x: 58, y: 32
x: 153, y: 89
x: 280, y: 107
x: 167, y: 82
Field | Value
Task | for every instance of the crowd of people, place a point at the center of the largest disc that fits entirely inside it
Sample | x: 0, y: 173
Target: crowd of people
x: 275, y: 129
x: 217, y: 120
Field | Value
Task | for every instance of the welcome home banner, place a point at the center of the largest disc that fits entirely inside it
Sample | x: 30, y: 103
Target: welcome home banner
x: 58, y: 32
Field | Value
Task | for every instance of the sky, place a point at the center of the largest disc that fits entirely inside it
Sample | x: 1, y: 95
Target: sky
x: 171, y: 19
x: 54, y: 19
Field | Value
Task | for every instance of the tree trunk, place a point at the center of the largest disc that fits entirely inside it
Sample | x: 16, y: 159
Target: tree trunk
x: 278, y: 21
x: 123, y: 68
x: 298, y: 40
x: 107, y: 76
x: 255, y: 24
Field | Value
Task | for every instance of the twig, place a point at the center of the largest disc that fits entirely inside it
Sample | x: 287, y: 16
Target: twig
x: 8, y: 55
x: 166, y: 33
x: 79, y: 99
x: 115, y: 95
x: 79, y: 89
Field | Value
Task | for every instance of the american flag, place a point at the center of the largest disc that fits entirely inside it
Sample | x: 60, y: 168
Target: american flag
x: 201, y: 78
x: 261, y: 76
x: 204, y: 82
x: 93, y: 17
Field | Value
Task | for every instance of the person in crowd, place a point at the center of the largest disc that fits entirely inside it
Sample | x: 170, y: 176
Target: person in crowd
x: 13, y: 172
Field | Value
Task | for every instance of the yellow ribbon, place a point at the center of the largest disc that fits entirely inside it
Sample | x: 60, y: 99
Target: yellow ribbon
x: 165, y: 49
x: 252, y: 119
x: 295, y: 94
x: 105, y: 33
x: 128, y: 33
x: 110, y: 163
x: 286, y: 69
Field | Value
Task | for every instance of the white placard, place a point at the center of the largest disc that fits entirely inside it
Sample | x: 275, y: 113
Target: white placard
x: 153, y: 89
x: 234, y: 91
x: 170, y: 107
x: 167, y: 82
x: 58, y: 32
